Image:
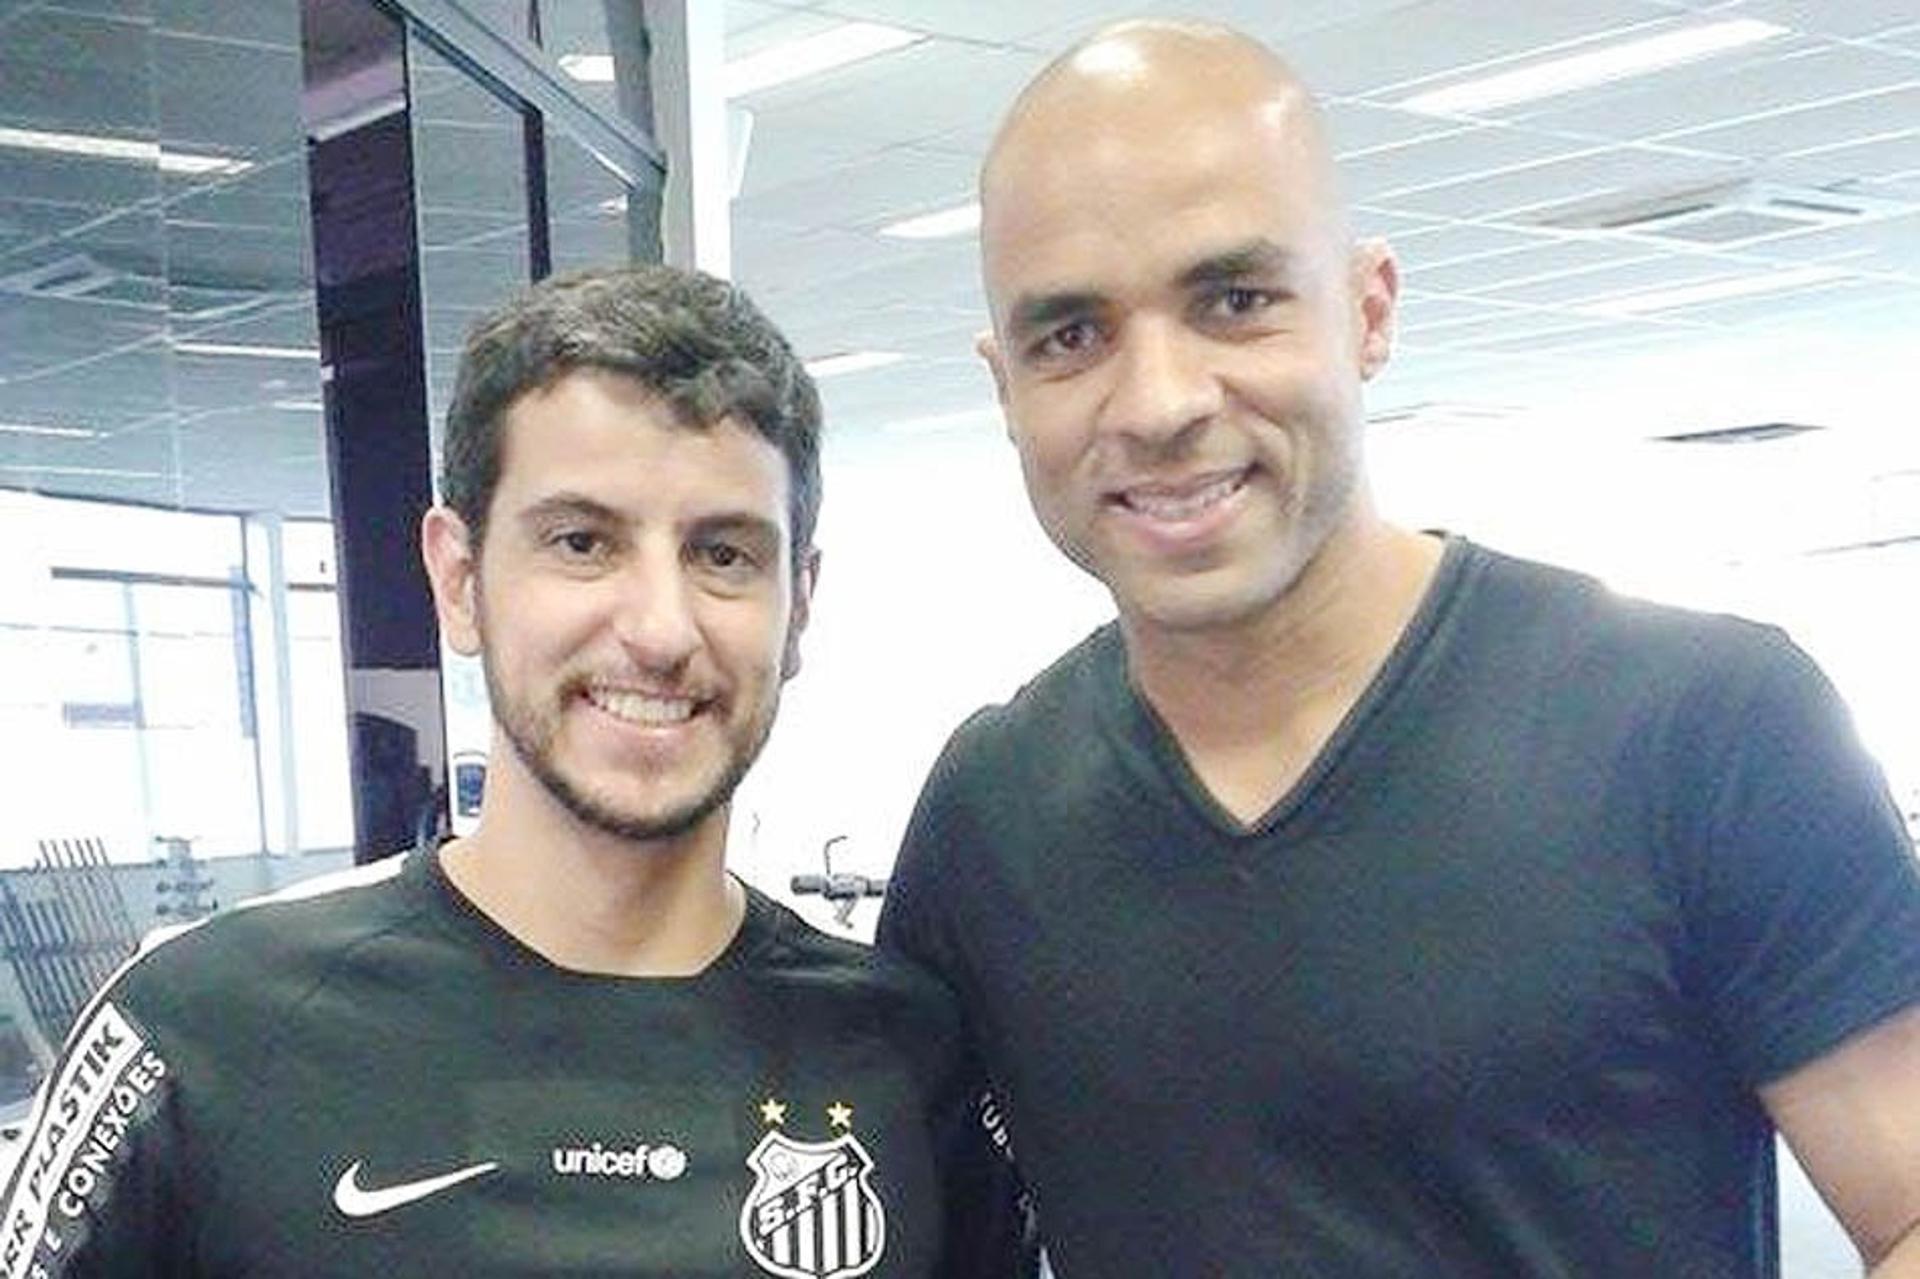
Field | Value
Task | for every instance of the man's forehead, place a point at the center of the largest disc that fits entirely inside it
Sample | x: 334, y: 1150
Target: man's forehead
x: 1078, y: 163
x: 1171, y: 72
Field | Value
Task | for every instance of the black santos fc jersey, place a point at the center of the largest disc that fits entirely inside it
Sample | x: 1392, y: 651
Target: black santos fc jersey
x: 375, y: 1079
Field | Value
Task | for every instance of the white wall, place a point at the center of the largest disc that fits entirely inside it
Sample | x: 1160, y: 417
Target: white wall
x: 940, y: 593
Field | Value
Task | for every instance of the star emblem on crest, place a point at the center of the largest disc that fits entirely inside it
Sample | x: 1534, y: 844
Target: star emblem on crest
x: 773, y: 1111
x: 840, y: 1115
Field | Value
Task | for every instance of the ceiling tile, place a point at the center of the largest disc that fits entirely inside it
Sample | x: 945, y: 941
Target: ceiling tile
x: 1447, y: 157
x: 1856, y: 163
x: 1384, y: 56
x: 262, y: 25
x: 1716, y: 91
x: 1816, y: 125
x: 1661, y: 271
x: 1482, y: 274
x: 1370, y: 219
x: 1521, y: 194
x: 1831, y: 302
x: 1884, y: 245
x: 988, y: 21
x: 745, y: 15
x: 1531, y: 336
x: 753, y: 29
x: 1842, y: 19
x: 876, y: 189
x: 938, y: 87
x: 781, y: 151
x: 1420, y: 312
x: 1422, y: 250
x: 1358, y: 127
x: 1279, y: 24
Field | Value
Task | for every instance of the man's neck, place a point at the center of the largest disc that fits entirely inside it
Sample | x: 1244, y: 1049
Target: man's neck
x: 591, y: 901
x: 1252, y: 704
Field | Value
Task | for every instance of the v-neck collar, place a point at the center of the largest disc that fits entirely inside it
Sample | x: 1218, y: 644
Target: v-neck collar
x: 1143, y: 731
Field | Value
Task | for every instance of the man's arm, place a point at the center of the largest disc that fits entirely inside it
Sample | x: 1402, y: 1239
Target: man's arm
x: 91, y: 1195
x: 1852, y: 1118
x: 988, y: 1230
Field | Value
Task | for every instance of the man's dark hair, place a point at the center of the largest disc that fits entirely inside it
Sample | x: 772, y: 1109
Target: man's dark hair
x: 697, y: 342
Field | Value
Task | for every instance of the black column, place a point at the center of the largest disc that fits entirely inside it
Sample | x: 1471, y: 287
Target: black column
x: 373, y: 356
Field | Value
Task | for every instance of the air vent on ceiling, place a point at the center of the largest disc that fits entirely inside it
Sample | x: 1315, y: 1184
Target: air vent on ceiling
x: 1721, y: 215
x: 1434, y: 413
x: 79, y: 276
x: 75, y: 275
x: 1753, y: 433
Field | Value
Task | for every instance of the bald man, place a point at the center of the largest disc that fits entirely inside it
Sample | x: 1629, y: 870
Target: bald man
x: 1362, y: 902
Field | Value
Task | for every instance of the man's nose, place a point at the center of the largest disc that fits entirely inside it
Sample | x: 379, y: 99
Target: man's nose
x: 1163, y: 382
x: 654, y: 617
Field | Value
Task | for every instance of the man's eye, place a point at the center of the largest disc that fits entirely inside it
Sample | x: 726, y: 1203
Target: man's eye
x: 1240, y: 300
x: 1067, y: 341
x: 724, y: 556
x: 578, y: 543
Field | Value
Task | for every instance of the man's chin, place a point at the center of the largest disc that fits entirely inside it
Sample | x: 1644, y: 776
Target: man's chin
x: 639, y: 821
x: 647, y: 825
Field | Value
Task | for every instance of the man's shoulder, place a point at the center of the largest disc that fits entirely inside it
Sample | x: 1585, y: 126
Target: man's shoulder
x: 262, y: 948
x: 1585, y: 621
x: 877, y: 985
x: 1061, y: 698
x: 801, y: 953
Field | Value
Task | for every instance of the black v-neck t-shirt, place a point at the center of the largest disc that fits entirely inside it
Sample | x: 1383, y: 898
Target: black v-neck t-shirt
x: 1488, y: 992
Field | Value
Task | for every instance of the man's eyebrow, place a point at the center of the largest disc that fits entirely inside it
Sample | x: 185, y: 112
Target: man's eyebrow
x: 1044, y: 310
x: 558, y: 505
x: 739, y: 523
x: 1255, y: 259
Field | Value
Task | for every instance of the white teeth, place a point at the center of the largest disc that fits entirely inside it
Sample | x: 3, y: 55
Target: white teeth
x: 1180, y: 506
x: 639, y: 708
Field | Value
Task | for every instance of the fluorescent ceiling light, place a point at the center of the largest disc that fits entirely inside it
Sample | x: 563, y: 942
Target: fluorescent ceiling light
x: 797, y: 59
x: 588, y: 68
x: 1597, y: 66
x: 96, y: 472
x: 852, y: 362
x: 1739, y: 286
x: 58, y: 432
x: 120, y: 149
x: 779, y: 64
x: 194, y: 165
x: 298, y: 406
x: 239, y: 348
x: 934, y: 226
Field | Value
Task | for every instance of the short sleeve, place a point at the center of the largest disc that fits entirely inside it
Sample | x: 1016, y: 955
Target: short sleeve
x: 1804, y: 910
x: 913, y: 921
x: 989, y: 1231
x: 93, y: 1192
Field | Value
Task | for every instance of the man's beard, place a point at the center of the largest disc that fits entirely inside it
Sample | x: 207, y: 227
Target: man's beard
x: 532, y: 740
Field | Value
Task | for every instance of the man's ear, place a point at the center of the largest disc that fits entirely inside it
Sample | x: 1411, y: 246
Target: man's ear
x: 1376, y: 297
x: 453, y: 569
x: 987, y: 347
x: 806, y: 576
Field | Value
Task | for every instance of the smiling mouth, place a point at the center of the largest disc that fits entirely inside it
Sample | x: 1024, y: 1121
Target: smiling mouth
x: 650, y: 710
x: 1173, y: 503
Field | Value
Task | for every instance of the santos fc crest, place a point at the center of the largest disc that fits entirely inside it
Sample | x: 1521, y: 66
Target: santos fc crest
x: 813, y: 1213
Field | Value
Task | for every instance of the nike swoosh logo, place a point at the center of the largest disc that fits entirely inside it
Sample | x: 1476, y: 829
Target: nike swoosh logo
x: 353, y: 1201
